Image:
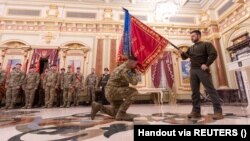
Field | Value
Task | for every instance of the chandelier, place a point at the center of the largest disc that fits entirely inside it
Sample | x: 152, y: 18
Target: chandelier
x: 164, y: 9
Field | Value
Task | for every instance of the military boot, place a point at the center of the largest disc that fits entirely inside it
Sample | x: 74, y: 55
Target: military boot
x: 11, y: 106
x: 194, y: 115
x: 29, y: 107
x: 64, y: 105
x: 68, y: 105
x: 25, y: 107
x: 124, y: 116
x: 5, y: 107
x: 96, y: 107
x: 50, y: 106
x: 218, y: 116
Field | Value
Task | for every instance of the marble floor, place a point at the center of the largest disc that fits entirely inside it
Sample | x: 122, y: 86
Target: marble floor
x: 64, y: 124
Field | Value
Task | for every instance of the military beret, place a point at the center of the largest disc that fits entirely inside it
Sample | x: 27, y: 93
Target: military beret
x: 62, y: 68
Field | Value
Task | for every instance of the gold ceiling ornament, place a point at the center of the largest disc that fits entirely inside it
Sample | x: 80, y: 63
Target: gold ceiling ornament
x: 53, y: 11
x: 204, y: 18
x: 48, y: 37
x: 108, y: 14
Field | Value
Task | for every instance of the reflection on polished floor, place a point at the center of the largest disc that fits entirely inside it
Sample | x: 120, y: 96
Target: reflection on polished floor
x: 75, y: 124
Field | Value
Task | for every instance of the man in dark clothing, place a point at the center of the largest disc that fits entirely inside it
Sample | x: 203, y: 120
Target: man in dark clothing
x: 60, y: 90
x: 202, y: 55
x: 102, y: 84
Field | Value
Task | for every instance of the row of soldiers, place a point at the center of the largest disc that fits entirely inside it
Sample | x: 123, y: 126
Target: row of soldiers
x: 70, y: 83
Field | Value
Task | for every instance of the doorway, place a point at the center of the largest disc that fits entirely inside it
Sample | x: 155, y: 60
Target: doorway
x: 43, y: 64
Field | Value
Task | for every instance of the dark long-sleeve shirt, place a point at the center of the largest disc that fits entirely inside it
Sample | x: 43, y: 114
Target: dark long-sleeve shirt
x: 201, y: 53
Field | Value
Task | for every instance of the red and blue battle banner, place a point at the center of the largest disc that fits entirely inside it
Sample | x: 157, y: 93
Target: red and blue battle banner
x: 140, y: 41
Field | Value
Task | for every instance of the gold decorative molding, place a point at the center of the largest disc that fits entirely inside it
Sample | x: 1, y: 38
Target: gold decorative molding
x: 108, y: 14
x: 48, y: 37
x: 53, y: 11
x: 204, y: 18
x: 234, y: 20
x: 16, y: 46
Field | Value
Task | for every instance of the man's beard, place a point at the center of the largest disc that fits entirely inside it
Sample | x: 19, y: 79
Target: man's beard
x: 195, y: 41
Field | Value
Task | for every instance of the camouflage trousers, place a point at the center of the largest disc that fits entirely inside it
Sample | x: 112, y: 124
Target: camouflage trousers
x: 67, y: 95
x: 91, y: 93
x: 11, y: 95
x: 50, y: 93
x: 76, y: 96
x: 120, y: 99
x: 29, y: 97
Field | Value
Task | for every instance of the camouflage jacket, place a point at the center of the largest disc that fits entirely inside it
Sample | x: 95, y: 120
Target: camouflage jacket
x: 2, y: 77
x: 31, y: 81
x: 52, y: 79
x: 122, y: 76
x: 67, y: 80
x: 15, y: 79
x: 91, y: 80
x: 78, y: 80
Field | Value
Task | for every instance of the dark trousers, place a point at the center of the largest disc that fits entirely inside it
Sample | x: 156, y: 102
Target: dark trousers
x: 103, y: 98
x: 198, y: 76
x: 59, y: 100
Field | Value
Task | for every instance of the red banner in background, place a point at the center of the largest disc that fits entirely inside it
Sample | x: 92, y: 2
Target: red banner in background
x: 165, y: 65
x: 168, y: 67
x: 50, y: 54
x: 156, y: 74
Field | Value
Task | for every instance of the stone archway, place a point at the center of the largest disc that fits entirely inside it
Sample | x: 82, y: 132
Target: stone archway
x: 74, y: 51
x: 14, y: 47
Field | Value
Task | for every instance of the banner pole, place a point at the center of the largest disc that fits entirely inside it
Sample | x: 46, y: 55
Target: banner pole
x: 187, y: 55
x: 179, y: 49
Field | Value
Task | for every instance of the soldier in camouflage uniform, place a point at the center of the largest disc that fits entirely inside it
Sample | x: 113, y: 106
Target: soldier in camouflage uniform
x: 91, y: 84
x: 67, y: 86
x: 51, y: 83
x: 13, y: 84
x: 118, y: 92
x: 2, y: 83
x: 31, y: 83
x: 78, y: 85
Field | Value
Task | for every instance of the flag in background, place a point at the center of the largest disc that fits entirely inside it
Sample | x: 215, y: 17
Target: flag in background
x: 140, y: 41
x: 58, y: 64
x: 72, y: 66
x: 8, y: 68
x: 25, y: 66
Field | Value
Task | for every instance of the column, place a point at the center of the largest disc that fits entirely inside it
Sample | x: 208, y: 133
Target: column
x: 112, y: 55
x: 219, y: 63
x: 99, y: 54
